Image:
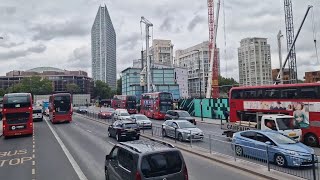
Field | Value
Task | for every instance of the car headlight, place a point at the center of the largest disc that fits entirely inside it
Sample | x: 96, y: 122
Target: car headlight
x: 293, y: 153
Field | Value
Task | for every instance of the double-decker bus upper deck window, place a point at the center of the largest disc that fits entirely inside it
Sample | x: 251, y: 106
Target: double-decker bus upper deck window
x: 165, y: 96
x: 289, y: 93
x: 309, y: 92
x: 250, y: 94
x: 236, y: 94
x: 16, y: 101
x: 271, y: 93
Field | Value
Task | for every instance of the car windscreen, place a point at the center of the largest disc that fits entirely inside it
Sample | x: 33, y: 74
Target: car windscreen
x: 130, y: 125
x: 37, y: 111
x: 141, y: 118
x: 160, y: 164
x: 281, y: 139
x: 183, y: 114
x: 124, y: 114
x: 287, y: 123
x: 186, y: 124
x: 62, y: 103
x: 17, y: 101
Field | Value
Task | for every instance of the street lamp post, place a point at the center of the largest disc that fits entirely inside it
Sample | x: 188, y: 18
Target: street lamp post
x: 201, y: 112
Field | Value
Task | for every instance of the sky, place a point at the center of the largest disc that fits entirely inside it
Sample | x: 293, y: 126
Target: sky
x: 57, y: 33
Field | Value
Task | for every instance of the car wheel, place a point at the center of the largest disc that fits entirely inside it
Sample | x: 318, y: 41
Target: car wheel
x: 106, y: 174
x: 118, y: 138
x: 280, y: 160
x: 239, y: 151
x: 180, y: 138
x: 164, y: 133
x: 311, y: 140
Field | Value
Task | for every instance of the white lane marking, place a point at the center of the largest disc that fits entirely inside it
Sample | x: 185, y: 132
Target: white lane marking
x: 89, y: 131
x: 33, y: 171
x: 33, y: 163
x: 68, y: 154
x: 111, y: 143
x: 33, y: 156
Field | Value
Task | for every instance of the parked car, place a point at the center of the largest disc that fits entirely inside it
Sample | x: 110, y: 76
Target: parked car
x: 145, y: 159
x: 182, y: 130
x: 82, y: 110
x: 179, y: 115
x: 121, y: 114
x: 37, y: 114
x: 124, y: 129
x: 282, y: 150
x: 142, y: 120
x: 106, y: 113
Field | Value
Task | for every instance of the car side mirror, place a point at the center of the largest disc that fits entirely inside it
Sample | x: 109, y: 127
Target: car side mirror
x: 108, y: 157
x: 268, y: 143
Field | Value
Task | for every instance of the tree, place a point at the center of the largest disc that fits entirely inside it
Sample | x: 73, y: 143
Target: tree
x: 73, y: 88
x: 119, y: 86
x: 2, y: 92
x: 102, y: 90
x: 226, y: 84
x: 33, y: 85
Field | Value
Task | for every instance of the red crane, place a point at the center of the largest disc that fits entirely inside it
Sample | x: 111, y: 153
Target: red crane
x: 213, y: 83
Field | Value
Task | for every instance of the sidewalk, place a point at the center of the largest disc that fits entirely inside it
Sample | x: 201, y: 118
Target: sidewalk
x: 209, y: 121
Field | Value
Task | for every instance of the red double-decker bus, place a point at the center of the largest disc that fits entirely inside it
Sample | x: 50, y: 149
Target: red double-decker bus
x: 17, y: 114
x: 60, y: 108
x: 299, y: 100
x: 155, y: 105
x: 128, y: 102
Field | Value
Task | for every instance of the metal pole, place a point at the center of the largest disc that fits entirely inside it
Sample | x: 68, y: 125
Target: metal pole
x: 234, y: 152
x: 280, y: 55
x: 175, y: 135
x: 162, y: 132
x: 190, y: 139
x: 200, y: 87
x: 313, y: 167
x: 210, y: 143
x: 267, y: 153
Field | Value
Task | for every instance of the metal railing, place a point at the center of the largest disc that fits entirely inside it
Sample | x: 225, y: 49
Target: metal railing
x: 262, y: 155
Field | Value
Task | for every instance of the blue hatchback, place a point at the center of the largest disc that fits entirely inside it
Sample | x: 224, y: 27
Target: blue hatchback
x: 282, y: 150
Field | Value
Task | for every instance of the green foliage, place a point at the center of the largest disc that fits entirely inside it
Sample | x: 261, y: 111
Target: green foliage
x: 227, y: 81
x: 33, y: 85
x: 73, y: 88
x: 2, y: 92
x: 102, y: 90
x: 119, y: 86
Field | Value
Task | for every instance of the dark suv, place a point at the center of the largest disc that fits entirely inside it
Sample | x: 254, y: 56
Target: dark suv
x: 145, y: 159
x: 124, y: 129
x: 179, y: 115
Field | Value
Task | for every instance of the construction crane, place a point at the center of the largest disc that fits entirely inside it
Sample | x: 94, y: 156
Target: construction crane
x: 293, y: 77
x: 147, y: 68
x: 213, y: 76
x: 293, y: 43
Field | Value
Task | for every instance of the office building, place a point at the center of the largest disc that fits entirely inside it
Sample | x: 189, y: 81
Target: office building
x: 312, y: 77
x: 103, y: 48
x: 180, y: 75
x: 285, y: 78
x: 189, y: 58
x: 60, y: 78
x: 254, y: 60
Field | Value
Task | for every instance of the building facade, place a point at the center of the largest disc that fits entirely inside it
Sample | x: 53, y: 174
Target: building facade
x: 60, y: 78
x: 254, y: 58
x: 285, y: 78
x: 180, y: 76
x: 103, y: 48
x: 163, y: 80
x: 190, y: 58
x: 312, y: 77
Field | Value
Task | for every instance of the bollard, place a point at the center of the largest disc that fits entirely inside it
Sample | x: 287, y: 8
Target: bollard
x: 268, y: 163
x: 210, y: 143
x: 151, y: 130
x: 234, y: 152
x: 190, y: 139
x: 143, y: 127
x: 162, y: 132
x: 175, y: 135
x: 313, y: 167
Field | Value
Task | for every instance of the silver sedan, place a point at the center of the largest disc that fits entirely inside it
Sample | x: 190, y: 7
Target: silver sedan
x: 182, y: 130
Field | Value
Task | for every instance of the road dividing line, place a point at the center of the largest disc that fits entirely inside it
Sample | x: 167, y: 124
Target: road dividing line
x: 33, y: 163
x: 68, y: 154
x: 33, y: 156
x: 89, y: 131
x: 33, y: 171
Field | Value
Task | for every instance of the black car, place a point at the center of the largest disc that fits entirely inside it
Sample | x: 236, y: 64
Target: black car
x: 145, y: 159
x: 179, y: 115
x: 124, y: 129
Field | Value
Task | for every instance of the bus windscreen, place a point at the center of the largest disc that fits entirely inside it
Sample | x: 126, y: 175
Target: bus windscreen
x: 16, y: 102
x: 62, y: 103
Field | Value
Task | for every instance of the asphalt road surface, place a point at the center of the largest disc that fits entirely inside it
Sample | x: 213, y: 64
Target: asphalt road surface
x: 77, y: 149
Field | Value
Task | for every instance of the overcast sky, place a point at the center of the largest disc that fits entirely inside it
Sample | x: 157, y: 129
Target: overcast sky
x: 57, y: 33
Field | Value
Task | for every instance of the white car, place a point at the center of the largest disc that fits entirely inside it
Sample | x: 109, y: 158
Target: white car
x: 142, y: 120
x: 37, y: 114
x: 121, y: 114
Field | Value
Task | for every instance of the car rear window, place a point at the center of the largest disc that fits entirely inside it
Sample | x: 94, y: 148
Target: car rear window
x: 37, y: 111
x: 130, y: 125
x: 161, y: 164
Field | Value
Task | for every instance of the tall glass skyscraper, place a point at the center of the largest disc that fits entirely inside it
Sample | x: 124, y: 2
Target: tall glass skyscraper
x: 103, y: 48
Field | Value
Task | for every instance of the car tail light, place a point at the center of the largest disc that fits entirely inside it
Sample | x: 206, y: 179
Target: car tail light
x: 185, y: 173
x: 138, y: 176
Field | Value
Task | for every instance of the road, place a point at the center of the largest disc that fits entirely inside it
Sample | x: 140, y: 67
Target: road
x: 67, y: 151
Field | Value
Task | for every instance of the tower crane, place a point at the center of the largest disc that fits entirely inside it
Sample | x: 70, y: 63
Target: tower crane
x: 213, y: 76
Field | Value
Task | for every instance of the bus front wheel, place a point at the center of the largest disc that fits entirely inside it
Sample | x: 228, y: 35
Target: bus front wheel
x: 311, y: 140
